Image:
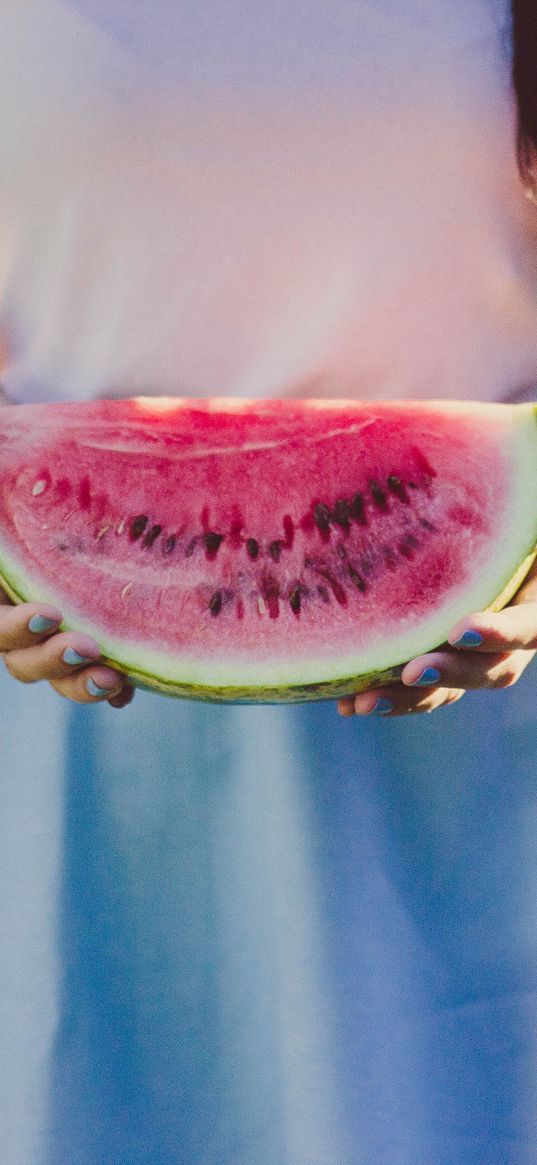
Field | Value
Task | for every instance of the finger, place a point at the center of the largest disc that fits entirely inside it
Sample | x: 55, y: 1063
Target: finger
x: 126, y: 696
x: 91, y: 685
x: 514, y: 627
x: 461, y: 669
x: 396, y: 700
x: 26, y: 625
x: 58, y: 656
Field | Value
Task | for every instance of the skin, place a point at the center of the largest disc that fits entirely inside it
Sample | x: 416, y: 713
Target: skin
x: 29, y: 657
x: 509, y: 645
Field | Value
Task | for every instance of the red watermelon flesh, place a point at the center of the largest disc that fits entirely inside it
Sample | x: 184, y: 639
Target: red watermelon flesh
x: 266, y: 550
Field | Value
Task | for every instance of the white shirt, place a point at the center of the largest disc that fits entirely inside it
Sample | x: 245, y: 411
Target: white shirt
x: 307, y: 198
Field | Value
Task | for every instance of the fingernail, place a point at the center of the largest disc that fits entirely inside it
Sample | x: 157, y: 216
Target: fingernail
x: 40, y: 623
x: 468, y: 639
x: 427, y: 678
x: 94, y: 690
x: 75, y: 659
x: 382, y: 706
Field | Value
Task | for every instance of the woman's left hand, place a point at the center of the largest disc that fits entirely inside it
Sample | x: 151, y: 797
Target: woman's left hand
x: 486, y: 650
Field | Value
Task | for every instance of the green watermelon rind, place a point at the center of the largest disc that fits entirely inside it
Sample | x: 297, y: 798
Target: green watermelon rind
x: 310, y: 680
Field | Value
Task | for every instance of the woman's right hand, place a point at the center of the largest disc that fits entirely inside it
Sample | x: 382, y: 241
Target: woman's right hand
x: 33, y: 649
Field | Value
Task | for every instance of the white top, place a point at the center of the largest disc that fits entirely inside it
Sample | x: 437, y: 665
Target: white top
x: 315, y: 197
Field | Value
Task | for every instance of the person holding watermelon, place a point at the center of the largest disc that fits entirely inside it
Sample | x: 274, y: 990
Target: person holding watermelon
x: 237, y: 935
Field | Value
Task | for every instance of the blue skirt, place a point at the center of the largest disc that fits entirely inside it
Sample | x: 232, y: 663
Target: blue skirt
x: 268, y: 936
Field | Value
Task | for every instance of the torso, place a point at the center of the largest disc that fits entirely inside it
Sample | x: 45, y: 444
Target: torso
x: 310, y: 199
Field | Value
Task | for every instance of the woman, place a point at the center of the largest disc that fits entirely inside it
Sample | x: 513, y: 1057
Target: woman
x: 238, y: 935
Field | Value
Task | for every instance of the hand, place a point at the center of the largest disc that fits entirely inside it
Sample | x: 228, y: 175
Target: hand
x: 496, y: 649
x: 48, y: 654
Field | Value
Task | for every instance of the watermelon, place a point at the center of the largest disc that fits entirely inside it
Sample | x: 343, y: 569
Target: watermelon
x: 271, y: 551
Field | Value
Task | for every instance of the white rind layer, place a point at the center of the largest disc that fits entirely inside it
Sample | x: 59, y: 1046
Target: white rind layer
x: 511, y: 554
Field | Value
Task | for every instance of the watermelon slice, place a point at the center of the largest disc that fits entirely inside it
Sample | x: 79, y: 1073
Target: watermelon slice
x: 266, y: 550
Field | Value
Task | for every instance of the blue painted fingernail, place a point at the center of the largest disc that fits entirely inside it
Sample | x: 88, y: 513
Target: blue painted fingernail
x: 75, y: 659
x: 427, y: 678
x: 468, y: 639
x: 382, y: 706
x: 40, y: 623
x: 94, y: 690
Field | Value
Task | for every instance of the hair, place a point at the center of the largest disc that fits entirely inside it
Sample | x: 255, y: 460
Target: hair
x: 524, y: 55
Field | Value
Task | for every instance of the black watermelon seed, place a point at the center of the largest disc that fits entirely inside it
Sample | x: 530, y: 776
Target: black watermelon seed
x: 321, y: 514
x: 275, y: 550
x: 215, y: 605
x: 397, y: 487
x: 357, y: 579
x: 412, y: 485
x: 295, y: 600
x: 342, y: 513
x: 212, y: 541
x: 152, y: 536
x: 252, y: 547
x: 379, y: 497
x: 138, y: 526
x: 411, y: 541
x: 170, y: 544
x: 357, y: 508
x: 427, y: 525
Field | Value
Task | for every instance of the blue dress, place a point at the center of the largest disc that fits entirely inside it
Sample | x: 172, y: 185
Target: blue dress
x: 265, y: 935
x: 277, y: 936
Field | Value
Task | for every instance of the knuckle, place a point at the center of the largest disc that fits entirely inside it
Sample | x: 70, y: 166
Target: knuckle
x: 9, y: 665
x: 440, y: 699
x: 503, y: 671
x: 68, y: 692
x: 12, y: 639
x: 454, y: 697
x: 429, y: 704
x: 21, y: 676
x: 506, y: 679
x: 426, y: 705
